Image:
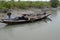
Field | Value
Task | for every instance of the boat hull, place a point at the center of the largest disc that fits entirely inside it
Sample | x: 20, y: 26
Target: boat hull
x: 9, y: 22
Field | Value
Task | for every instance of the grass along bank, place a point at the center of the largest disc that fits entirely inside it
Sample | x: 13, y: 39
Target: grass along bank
x: 23, y: 5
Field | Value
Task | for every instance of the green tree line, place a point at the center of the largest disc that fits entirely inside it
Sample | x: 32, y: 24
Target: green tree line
x: 27, y: 4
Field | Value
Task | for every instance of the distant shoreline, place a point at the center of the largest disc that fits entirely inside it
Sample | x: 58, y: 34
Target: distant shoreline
x: 18, y: 12
x: 17, y: 9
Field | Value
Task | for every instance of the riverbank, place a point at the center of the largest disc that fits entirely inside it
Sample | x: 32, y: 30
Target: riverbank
x: 19, y: 12
x: 23, y: 5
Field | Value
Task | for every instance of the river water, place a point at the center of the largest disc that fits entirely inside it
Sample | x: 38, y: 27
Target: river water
x: 33, y: 31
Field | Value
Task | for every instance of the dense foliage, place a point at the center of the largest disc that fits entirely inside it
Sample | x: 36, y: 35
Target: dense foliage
x: 23, y: 5
x: 54, y: 3
x: 27, y: 4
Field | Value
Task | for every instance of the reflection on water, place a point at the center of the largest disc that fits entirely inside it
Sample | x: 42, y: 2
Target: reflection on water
x: 39, y: 30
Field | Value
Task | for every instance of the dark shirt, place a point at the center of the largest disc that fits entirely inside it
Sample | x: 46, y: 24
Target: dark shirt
x: 9, y: 14
x: 21, y: 18
x: 44, y: 13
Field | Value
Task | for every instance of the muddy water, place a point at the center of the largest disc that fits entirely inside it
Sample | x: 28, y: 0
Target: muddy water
x: 33, y: 31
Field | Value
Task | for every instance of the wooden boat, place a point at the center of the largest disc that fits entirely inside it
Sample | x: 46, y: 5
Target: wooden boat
x: 31, y: 19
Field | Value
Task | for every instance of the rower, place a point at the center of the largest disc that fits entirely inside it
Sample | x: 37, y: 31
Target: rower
x: 24, y: 17
x: 44, y: 13
x: 9, y: 14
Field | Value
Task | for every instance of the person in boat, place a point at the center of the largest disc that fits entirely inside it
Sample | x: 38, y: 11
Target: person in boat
x: 44, y: 13
x: 9, y: 15
x: 38, y: 14
x: 22, y: 17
